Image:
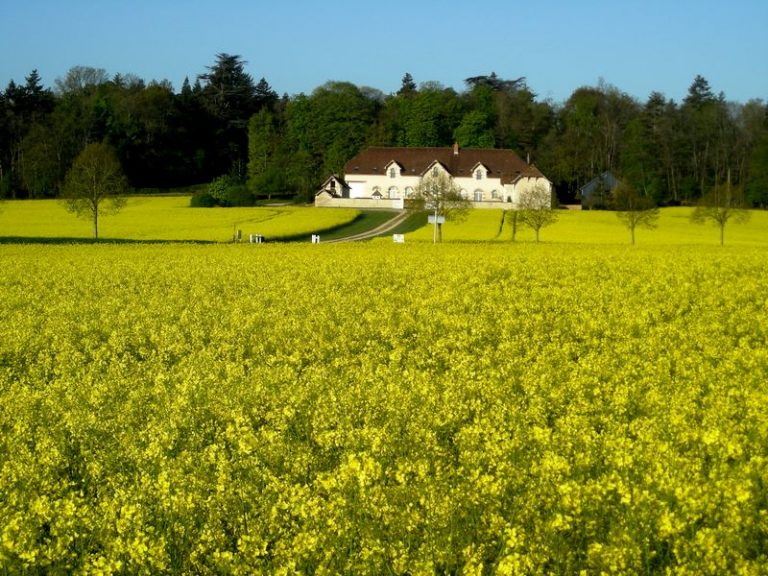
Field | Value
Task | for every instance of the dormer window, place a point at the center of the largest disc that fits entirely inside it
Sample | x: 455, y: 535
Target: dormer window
x: 479, y: 174
x: 435, y: 172
x: 392, y: 172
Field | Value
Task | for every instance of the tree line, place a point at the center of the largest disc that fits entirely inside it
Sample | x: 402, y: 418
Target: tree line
x: 229, y: 129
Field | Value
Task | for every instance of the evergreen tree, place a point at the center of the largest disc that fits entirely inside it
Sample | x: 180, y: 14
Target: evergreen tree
x: 229, y: 90
x: 230, y: 96
x: 408, y: 86
x: 264, y: 96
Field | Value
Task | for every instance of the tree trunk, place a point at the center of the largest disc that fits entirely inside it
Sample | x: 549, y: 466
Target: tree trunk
x: 96, y: 224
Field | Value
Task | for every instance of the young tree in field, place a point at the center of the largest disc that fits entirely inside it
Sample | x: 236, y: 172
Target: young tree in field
x: 439, y: 195
x: 634, y: 209
x: 720, y: 205
x: 95, y: 184
x: 535, y: 208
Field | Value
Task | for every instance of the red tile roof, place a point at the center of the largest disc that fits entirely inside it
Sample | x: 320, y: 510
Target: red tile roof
x: 504, y: 164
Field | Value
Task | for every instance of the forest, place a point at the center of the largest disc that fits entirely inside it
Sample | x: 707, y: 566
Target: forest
x: 226, y: 127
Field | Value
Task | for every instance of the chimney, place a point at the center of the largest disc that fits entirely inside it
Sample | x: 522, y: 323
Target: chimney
x: 455, y: 148
x: 528, y: 158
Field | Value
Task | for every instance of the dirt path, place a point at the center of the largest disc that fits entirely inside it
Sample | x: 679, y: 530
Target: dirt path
x: 390, y: 224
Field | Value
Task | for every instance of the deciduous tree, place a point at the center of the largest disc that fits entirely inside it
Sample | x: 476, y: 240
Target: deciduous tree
x: 535, y: 208
x: 720, y: 205
x: 438, y: 194
x: 634, y: 209
x: 475, y: 131
x: 95, y: 184
x: 261, y: 147
x: 330, y: 125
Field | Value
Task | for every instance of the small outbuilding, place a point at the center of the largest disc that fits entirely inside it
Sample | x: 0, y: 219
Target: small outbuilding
x: 334, y: 187
x: 597, y: 192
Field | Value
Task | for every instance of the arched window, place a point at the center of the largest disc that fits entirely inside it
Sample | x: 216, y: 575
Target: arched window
x: 435, y: 172
x: 408, y: 191
x: 478, y: 197
x: 494, y: 194
x: 392, y: 172
x: 393, y: 192
x: 479, y: 174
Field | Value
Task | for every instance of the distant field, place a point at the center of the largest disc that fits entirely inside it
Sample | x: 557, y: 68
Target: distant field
x: 170, y: 218
x: 600, y: 227
x: 167, y: 218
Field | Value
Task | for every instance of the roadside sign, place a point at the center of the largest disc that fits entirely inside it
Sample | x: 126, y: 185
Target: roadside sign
x: 431, y: 219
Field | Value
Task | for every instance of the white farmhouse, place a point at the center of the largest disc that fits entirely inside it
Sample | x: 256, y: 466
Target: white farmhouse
x: 384, y: 177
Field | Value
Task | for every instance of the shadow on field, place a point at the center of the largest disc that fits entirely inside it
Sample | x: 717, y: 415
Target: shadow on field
x: 67, y: 241
x: 413, y: 222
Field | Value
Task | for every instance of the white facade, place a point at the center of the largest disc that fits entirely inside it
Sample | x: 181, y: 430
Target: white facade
x: 386, y: 176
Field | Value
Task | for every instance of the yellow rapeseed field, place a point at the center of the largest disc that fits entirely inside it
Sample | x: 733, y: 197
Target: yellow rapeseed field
x: 171, y: 219
x: 603, y: 227
x: 167, y: 218
x: 378, y: 409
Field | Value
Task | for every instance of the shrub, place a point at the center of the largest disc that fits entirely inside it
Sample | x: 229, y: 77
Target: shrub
x: 202, y: 200
x: 223, y: 191
x: 237, y: 194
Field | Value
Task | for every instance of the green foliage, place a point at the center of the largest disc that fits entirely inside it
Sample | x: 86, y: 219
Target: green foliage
x: 229, y: 90
x: 430, y: 116
x: 261, y: 146
x: 475, y: 131
x: 407, y: 86
x: 275, y: 182
x: 589, y: 140
x: 227, y: 191
x: 202, y: 199
x: 331, y: 125
x: 757, y: 185
x: 166, y: 139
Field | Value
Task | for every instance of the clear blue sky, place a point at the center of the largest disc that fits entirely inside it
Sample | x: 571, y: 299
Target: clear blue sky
x: 297, y: 45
